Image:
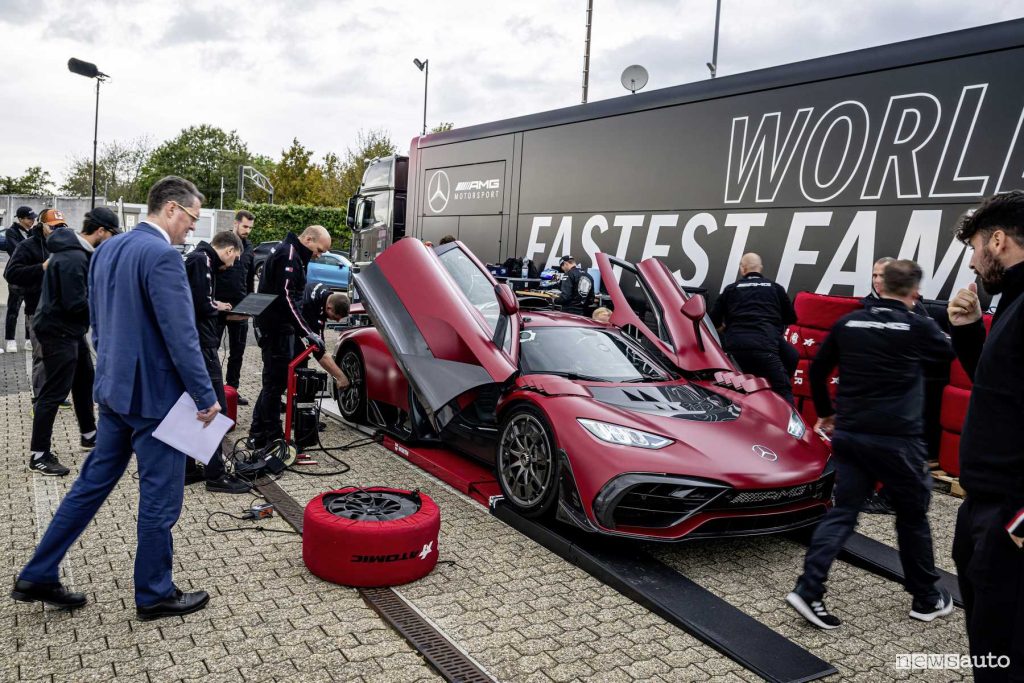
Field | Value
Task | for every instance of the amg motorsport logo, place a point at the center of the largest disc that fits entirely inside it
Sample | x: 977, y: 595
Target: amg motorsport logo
x: 439, y: 190
x: 477, y: 189
x: 422, y: 554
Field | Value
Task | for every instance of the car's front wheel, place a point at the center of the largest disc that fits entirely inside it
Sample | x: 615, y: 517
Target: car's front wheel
x: 352, y: 400
x: 527, y: 462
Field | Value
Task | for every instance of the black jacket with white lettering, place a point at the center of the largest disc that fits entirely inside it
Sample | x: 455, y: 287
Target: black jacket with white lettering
x: 880, y: 352
x: 284, y: 274
x: 755, y: 311
x: 201, y: 266
x: 992, y: 442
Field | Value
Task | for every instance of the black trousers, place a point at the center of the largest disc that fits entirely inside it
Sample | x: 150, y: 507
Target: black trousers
x: 990, y: 570
x: 901, y: 464
x: 215, y: 468
x: 15, y: 297
x: 278, y: 352
x: 768, y: 364
x: 66, y: 366
x: 238, y: 334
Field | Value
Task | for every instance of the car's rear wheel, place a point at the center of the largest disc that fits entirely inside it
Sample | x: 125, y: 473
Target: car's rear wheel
x: 527, y: 462
x: 352, y: 401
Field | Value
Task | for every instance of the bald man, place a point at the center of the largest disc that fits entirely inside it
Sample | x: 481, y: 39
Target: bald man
x: 754, y: 311
x: 284, y: 274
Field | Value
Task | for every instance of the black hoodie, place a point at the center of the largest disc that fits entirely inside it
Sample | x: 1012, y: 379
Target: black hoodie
x: 201, y: 266
x: 64, y: 304
x: 14, y: 236
x: 25, y: 267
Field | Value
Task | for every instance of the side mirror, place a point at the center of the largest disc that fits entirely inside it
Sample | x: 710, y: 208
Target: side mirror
x: 368, y: 217
x: 694, y: 308
x: 350, y: 216
x: 506, y: 299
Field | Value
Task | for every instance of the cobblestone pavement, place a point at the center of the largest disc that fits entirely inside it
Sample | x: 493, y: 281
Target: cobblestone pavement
x: 520, y: 611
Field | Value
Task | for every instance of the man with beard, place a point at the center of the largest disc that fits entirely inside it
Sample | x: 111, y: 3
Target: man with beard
x: 987, y: 545
x: 233, y: 284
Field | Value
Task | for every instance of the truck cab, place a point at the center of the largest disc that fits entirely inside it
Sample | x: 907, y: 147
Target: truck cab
x: 376, y: 215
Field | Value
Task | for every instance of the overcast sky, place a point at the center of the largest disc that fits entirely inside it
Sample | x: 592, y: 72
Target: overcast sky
x: 323, y: 70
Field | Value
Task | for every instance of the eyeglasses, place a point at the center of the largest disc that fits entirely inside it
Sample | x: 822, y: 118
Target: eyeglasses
x: 195, y: 218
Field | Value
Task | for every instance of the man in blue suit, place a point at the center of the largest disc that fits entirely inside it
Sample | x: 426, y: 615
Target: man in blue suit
x: 147, y: 354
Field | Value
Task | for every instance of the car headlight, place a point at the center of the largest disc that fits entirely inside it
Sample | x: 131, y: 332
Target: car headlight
x: 623, y: 436
x: 796, y: 425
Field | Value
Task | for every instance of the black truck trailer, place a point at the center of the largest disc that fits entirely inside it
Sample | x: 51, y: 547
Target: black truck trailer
x: 820, y: 166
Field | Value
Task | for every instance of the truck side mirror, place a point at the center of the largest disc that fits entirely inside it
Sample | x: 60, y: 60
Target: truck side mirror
x: 368, y: 216
x: 350, y: 215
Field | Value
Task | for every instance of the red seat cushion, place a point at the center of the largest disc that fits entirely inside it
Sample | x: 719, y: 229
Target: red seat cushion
x: 806, y: 340
x: 949, y: 453
x: 954, y: 408
x: 821, y: 311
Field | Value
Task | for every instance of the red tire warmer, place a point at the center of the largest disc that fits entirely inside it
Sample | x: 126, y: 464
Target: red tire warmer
x: 370, y: 553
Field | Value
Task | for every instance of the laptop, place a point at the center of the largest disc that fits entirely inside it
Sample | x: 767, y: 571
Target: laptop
x: 253, y: 305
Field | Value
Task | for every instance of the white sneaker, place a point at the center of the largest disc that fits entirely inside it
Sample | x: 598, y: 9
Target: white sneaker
x: 12, y: 346
x: 28, y: 345
x: 942, y: 607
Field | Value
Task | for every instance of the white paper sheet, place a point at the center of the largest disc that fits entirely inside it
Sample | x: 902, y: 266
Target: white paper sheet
x: 181, y: 430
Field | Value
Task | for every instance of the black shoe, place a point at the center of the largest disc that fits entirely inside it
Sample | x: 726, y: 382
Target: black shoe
x: 194, y: 476
x: 932, y: 609
x: 65, y: 403
x: 53, y: 594
x: 228, y: 483
x: 48, y: 465
x: 176, y: 605
x: 243, y: 401
x: 88, y: 444
x: 321, y: 426
x: 877, y: 505
x: 254, y: 443
x: 813, y: 611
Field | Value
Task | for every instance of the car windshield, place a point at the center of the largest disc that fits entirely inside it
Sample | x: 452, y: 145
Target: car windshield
x: 587, y: 353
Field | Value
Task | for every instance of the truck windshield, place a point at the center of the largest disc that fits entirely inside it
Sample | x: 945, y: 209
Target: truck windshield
x: 586, y: 353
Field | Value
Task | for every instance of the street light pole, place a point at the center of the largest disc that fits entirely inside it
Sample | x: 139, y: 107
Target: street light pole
x: 713, y: 64
x: 89, y: 70
x: 424, y: 66
x: 586, y: 50
x: 95, y: 139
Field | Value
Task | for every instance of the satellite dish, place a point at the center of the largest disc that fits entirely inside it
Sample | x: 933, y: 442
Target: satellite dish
x: 634, y: 78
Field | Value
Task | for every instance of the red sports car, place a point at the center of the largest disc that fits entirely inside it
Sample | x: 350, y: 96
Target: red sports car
x: 639, y: 427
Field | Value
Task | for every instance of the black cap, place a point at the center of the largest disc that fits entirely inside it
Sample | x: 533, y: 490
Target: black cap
x: 565, y: 258
x: 26, y: 212
x: 105, y: 218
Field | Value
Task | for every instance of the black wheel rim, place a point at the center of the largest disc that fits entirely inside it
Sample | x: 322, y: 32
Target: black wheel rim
x: 371, y: 506
x: 526, y: 460
x: 349, y: 399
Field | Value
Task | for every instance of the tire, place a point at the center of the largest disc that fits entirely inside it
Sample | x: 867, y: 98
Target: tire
x: 527, y: 462
x: 352, y: 401
x: 375, y: 536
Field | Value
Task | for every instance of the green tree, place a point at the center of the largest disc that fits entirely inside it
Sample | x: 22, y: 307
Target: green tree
x: 297, y: 179
x: 118, y: 171
x: 370, y: 145
x: 34, y: 181
x: 203, y: 154
x: 442, y: 127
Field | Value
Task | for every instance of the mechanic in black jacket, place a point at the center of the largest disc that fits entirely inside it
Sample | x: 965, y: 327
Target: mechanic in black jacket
x: 15, y: 235
x: 201, y: 265
x: 577, y: 289
x: 233, y: 285
x: 284, y: 274
x: 755, y: 311
x: 987, y: 545
x: 59, y: 326
x: 320, y: 304
x: 28, y: 263
x: 878, y: 433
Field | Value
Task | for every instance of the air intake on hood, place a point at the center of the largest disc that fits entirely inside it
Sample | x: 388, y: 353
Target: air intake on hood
x: 683, y: 401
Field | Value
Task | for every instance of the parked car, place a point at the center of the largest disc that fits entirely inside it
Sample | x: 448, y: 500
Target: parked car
x: 620, y: 428
x: 332, y: 269
x: 260, y: 254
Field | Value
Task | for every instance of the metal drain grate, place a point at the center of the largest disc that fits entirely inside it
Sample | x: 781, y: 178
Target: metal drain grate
x: 451, y: 662
x: 445, y: 656
x: 284, y: 504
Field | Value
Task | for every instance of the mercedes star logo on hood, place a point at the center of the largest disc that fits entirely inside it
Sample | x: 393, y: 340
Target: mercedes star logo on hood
x: 766, y: 453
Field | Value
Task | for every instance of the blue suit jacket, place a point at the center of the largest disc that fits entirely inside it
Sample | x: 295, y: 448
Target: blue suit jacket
x: 143, y: 328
